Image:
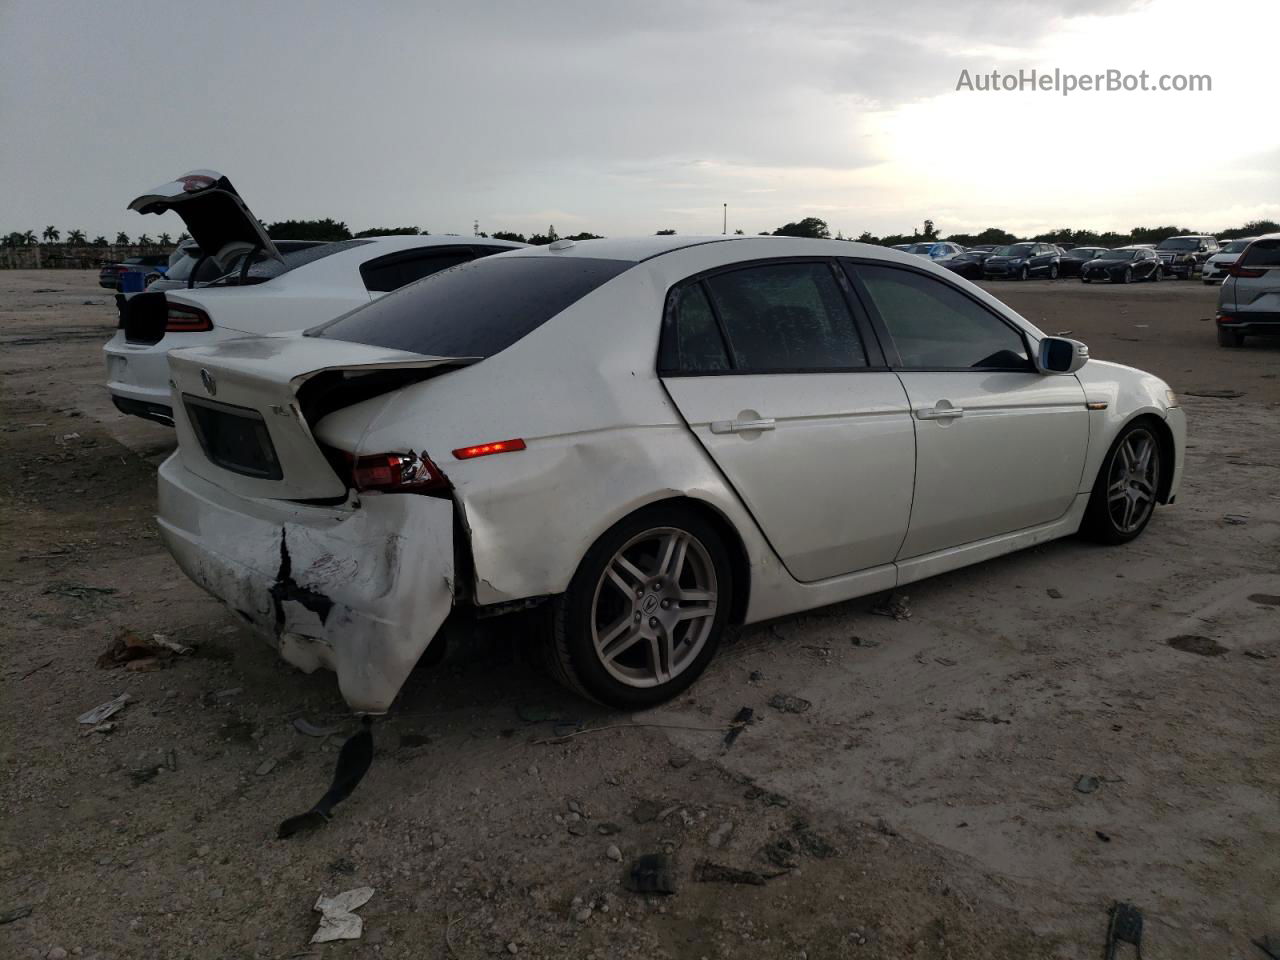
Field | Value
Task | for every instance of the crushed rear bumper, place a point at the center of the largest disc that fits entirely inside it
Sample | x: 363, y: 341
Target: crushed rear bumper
x: 360, y: 591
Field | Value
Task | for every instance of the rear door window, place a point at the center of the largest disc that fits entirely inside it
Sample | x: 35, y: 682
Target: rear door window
x: 782, y: 317
x: 476, y: 309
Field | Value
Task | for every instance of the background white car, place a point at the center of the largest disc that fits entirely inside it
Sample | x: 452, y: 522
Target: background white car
x: 264, y: 287
x: 1215, y: 268
x: 653, y: 438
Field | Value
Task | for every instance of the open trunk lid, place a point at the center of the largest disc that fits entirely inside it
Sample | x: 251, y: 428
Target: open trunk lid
x: 242, y: 424
x: 217, y: 219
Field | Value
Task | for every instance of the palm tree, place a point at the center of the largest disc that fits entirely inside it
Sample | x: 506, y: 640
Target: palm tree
x: 29, y: 238
x: 122, y: 239
x: 165, y: 240
x: 51, y: 234
x: 75, y: 238
x: 100, y: 241
x: 144, y: 241
x: 184, y: 237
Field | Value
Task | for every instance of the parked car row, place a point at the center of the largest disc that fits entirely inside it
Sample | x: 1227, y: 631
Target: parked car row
x: 602, y: 436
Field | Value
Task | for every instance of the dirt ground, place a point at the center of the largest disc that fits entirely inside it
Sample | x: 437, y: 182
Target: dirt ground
x: 928, y: 804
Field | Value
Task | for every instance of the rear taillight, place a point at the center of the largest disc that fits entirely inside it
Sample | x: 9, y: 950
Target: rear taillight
x: 184, y: 319
x: 1238, y: 271
x: 1226, y: 318
x: 397, y: 473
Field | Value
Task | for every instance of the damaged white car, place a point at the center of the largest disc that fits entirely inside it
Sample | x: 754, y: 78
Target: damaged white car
x: 261, y: 287
x: 649, y: 439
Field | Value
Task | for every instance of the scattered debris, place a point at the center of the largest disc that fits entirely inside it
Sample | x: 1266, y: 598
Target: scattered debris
x: 679, y: 760
x: 720, y: 835
x: 811, y: 842
x: 755, y: 677
x: 265, y: 767
x: 789, y: 704
x: 1125, y: 926
x: 1259, y: 655
x: 1193, y: 643
x: 1087, y: 784
x: 78, y: 591
x: 781, y: 853
x: 977, y: 716
x: 613, y: 853
x: 740, y: 721
x: 884, y: 827
x: 894, y: 605
x: 338, y: 919
x: 708, y: 872
x: 354, y: 760
x: 769, y: 799
x: 311, y: 730
x: 1054, y: 593
x: 1214, y: 394
x: 1266, y: 599
x: 1102, y: 836
x: 15, y: 913
x: 608, y: 829
x: 651, y: 873
x: 945, y: 661
x: 1235, y: 519
x: 863, y: 642
x: 103, y: 710
x: 133, y: 652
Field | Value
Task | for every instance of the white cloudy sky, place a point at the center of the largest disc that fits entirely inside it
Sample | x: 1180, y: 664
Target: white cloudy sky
x: 621, y: 117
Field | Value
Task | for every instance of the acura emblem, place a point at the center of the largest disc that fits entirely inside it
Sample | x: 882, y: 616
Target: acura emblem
x: 210, y: 384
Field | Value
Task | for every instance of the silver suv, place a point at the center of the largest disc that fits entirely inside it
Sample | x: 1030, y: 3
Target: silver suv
x: 1249, y: 301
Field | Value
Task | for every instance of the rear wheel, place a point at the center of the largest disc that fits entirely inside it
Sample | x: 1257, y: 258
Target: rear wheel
x: 1128, y: 275
x: 1155, y: 275
x: 645, y: 611
x: 1124, y: 494
x: 1230, y: 338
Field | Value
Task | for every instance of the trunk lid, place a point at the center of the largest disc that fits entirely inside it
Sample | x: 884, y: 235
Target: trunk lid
x: 244, y: 420
x: 219, y: 222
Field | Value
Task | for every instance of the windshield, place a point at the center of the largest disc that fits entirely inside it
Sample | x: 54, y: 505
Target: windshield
x: 263, y: 268
x: 1085, y: 253
x: 920, y: 248
x: 475, y: 309
x: 1119, y: 255
x: 1013, y: 250
x: 1235, y: 246
x: 1179, y: 243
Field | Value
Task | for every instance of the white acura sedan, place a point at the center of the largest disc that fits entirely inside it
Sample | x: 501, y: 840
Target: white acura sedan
x: 261, y: 288
x: 650, y: 440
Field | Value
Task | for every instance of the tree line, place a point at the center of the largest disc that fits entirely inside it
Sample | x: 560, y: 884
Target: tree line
x: 330, y: 230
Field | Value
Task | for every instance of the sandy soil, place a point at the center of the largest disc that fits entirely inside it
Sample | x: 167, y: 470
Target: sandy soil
x: 925, y: 805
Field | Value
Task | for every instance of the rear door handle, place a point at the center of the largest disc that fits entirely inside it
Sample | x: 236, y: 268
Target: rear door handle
x: 742, y: 426
x: 939, y: 413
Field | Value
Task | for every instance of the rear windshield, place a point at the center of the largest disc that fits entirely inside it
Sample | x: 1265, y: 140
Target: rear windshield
x: 475, y: 309
x: 263, y: 268
x: 1235, y: 246
x: 1262, y: 253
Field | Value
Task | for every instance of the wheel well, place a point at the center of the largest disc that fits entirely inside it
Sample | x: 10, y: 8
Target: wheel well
x: 1165, y: 437
x: 740, y: 565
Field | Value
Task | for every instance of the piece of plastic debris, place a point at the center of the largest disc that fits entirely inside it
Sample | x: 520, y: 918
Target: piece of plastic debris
x: 15, y: 913
x: 1236, y: 519
x: 134, y: 652
x: 894, y: 605
x: 338, y: 919
x: 104, y: 710
x: 789, y: 704
x: 1124, y: 926
x: 651, y: 873
x: 1087, y: 784
x: 740, y: 720
x: 1105, y: 838
x: 1054, y: 593
x: 311, y: 730
x: 265, y: 767
x: 354, y: 760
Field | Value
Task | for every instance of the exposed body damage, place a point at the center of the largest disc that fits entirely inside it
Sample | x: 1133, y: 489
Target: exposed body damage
x: 328, y: 586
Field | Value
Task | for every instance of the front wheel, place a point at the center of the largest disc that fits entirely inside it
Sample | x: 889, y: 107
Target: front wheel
x: 1124, y: 494
x: 645, y: 611
x: 1128, y: 275
x: 1053, y: 272
x: 1024, y: 272
x: 1155, y: 275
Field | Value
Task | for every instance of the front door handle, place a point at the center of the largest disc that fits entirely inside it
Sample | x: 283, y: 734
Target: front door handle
x: 742, y: 426
x: 939, y: 413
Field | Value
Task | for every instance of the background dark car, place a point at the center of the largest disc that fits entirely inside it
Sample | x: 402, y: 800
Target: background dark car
x: 1022, y: 260
x: 1123, y: 265
x: 1076, y: 258
x: 967, y: 264
x: 1182, y: 256
x: 151, y: 265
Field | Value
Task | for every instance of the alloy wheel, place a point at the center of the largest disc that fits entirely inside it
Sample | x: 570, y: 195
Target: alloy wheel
x: 654, y: 607
x: 1132, y: 481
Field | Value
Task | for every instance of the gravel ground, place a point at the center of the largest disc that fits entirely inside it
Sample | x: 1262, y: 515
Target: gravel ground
x: 980, y: 780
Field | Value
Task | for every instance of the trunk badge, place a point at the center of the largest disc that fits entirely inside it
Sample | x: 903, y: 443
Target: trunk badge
x: 210, y: 384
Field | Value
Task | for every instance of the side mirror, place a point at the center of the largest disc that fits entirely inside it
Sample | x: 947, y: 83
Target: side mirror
x: 1060, y: 355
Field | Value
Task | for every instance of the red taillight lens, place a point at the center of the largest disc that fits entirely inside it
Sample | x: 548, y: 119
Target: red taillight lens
x: 488, y: 449
x: 397, y: 473
x: 184, y: 319
x: 1238, y: 271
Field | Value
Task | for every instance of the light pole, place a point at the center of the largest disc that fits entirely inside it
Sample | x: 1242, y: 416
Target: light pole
x: 724, y: 230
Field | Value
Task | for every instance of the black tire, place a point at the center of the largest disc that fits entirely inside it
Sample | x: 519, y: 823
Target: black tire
x: 1053, y: 272
x: 1100, y: 524
x: 1024, y: 273
x: 1128, y: 275
x: 1230, y: 338
x: 1155, y: 275
x: 1084, y: 279
x: 568, y: 620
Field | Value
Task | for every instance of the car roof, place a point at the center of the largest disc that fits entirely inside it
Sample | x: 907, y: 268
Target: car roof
x: 640, y: 249
x: 412, y: 241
